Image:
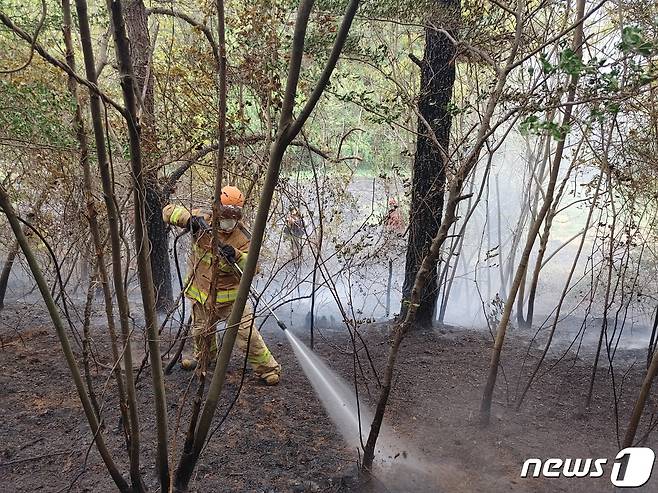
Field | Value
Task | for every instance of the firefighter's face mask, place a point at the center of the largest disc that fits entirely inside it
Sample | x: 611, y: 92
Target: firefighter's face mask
x: 229, y: 215
x: 227, y: 224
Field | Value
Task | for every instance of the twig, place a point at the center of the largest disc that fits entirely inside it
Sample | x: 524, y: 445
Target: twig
x: 35, y: 457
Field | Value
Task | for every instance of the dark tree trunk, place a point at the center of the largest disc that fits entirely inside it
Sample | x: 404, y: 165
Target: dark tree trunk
x: 429, y: 177
x: 140, y: 53
x: 159, y: 239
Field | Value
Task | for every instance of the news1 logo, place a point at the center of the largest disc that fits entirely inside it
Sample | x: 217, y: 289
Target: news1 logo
x: 631, y: 469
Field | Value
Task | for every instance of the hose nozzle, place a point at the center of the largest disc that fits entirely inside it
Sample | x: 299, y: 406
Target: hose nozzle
x: 256, y: 297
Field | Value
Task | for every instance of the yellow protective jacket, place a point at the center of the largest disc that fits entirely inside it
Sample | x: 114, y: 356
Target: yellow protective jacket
x: 199, y: 272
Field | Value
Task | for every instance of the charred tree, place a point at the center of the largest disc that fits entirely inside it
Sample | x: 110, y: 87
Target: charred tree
x: 136, y: 19
x: 429, y: 172
x: 462, y: 170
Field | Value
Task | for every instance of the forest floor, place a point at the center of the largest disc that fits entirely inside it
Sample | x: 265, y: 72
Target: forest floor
x: 279, y: 439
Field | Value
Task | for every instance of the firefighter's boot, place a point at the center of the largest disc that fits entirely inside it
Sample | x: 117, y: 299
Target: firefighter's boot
x: 272, y: 377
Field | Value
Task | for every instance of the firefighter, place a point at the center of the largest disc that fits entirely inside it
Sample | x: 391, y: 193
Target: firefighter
x: 393, y: 221
x: 295, y: 229
x: 234, y: 246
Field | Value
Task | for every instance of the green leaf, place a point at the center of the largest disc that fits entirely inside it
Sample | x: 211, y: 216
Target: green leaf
x: 633, y: 41
x: 570, y: 62
x: 529, y: 125
x: 546, y: 66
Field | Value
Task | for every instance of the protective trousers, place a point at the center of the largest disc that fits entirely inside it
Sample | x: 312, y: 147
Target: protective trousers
x: 259, y: 355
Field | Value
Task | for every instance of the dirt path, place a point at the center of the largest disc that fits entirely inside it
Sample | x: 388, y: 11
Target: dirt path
x: 280, y: 439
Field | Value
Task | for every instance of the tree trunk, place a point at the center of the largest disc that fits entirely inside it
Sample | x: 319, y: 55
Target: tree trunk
x: 565, y: 290
x: 159, y: 240
x: 56, y: 318
x: 652, y: 340
x: 609, y: 298
x: 638, y: 409
x: 94, y: 228
x: 429, y: 172
x: 136, y: 19
x: 520, y: 301
x: 147, y: 287
x: 529, y: 208
x: 6, y: 270
x: 487, y: 394
x: 115, y: 243
x: 543, y: 245
x: 86, y: 342
x: 448, y: 272
x: 15, y: 248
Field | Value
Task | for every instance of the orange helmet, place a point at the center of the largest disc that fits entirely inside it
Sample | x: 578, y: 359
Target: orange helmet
x: 232, y: 196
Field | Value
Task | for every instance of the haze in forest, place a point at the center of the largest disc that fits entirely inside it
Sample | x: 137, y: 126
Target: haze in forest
x: 269, y: 245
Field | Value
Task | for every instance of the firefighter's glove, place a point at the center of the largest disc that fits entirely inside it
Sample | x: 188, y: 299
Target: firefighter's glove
x: 198, y: 224
x: 228, y: 252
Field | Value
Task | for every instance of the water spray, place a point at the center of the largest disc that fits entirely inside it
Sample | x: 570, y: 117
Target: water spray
x: 337, y: 397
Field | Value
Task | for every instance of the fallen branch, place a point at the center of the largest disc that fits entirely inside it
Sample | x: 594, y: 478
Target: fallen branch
x: 35, y: 457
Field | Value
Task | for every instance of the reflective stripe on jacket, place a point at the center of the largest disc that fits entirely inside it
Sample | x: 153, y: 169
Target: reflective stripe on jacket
x: 202, y: 258
x: 223, y: 296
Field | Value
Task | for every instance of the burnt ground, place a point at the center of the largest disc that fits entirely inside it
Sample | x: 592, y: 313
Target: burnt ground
x: 280, y: 439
